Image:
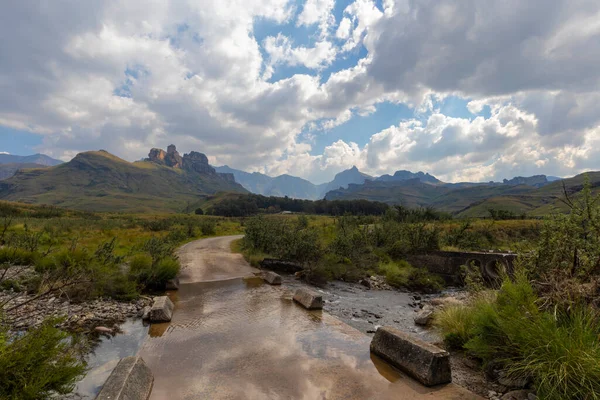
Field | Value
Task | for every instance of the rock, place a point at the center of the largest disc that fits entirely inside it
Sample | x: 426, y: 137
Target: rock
x: 532, y: 396
x: 172, y: 284
x: 517, y: 395
x: 173, y: 159
x: 309, y: 299
x: 446, y: 301
x: 197, y: 162
x: 424, y: 317
x: 512, y: 382
x: 157, y: 156
x: 145, y: 313
x: 366, y: 283
x: 162, y: 310
x: 272, y: 278
x: 103, y: 329
x: 130, y: 380
x: 425, y: 362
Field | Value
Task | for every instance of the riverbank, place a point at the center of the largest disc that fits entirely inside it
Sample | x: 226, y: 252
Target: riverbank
x: 78, y: 317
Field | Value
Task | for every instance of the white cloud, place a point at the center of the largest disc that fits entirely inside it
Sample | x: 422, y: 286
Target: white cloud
x: 127, y: 75
x: 318, y: 12
x: 281, y: 51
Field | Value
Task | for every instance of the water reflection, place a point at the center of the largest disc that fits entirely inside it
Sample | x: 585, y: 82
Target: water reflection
x: 238, y: 339
x: 107, y: 353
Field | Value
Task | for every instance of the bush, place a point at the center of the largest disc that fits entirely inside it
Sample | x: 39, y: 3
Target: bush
x: 151, y: 274
x: 208, y: 227
x: 38, y: 364
x: 403, y: 275
x: 16, y: 256
x: 558, y: 351
x: 199, y: 211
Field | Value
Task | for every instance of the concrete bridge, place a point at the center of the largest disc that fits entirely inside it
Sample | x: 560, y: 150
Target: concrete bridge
x: 447, y: 264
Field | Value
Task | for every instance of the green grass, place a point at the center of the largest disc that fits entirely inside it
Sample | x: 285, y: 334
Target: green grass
x: 558, y: 351
x: 401, y: 274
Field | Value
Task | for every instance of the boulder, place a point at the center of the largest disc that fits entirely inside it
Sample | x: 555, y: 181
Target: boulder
x: 424, y: 317
x: 517, y: 395
x: 272, y: 278
x: 162, y: 310
x: 425, y: 362
x: 130, y: 380
x: 309, y: 299
x: 145, y: 313
x: 172, y: 284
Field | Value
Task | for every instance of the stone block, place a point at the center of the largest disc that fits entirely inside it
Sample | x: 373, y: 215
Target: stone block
x: 162, y: 309
x: 309, y: 299
x: 272, y: 278
x: 425, y: 362
x: 130, y: 380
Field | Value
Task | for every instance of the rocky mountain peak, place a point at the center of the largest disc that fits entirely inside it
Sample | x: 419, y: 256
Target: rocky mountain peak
x: 197, y: 162
x: 157, y: 155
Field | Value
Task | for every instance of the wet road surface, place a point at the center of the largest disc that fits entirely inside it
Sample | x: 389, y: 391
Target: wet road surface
x: 238, y: 338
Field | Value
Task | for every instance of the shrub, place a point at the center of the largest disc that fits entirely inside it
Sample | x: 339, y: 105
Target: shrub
x: 558, y: 351
x: 38, y: 364
x: 153, y: 275
x: 199, y: 211
x: 208, y: 227
x: 16, y: 256
x: 403, y: 275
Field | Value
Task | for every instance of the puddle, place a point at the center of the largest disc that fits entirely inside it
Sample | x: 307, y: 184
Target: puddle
x: 107, y: 354
x: 241, y: 339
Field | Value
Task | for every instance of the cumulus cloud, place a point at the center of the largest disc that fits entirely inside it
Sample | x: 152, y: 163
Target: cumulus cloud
x: 129, y: 75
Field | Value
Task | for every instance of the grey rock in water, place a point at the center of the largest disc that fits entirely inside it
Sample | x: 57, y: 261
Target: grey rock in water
x: 309, y: 299
x: 425, y: 362
x: 162, y: 310
x: 130, y: 380
x: 424, y: 317
x: 272, y: 278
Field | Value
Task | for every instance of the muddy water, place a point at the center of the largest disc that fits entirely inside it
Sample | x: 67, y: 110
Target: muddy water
x: 242, y: 339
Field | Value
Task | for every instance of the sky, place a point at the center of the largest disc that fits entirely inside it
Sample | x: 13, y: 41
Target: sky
x: 467, y: 90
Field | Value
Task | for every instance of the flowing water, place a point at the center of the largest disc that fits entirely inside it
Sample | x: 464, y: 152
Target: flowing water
x: 242, y: 339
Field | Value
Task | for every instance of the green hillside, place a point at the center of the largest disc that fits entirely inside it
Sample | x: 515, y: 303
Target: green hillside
x: 100, y: 181
x: 473, y: 201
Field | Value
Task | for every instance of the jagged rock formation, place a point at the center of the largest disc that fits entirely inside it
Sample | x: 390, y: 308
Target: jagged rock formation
x: 197, y: 162
x: 157, y: 156
x: 191, y: 162
x: 173, y: 159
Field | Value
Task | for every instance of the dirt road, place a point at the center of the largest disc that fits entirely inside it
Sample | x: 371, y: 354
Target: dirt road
x: 209, y: 260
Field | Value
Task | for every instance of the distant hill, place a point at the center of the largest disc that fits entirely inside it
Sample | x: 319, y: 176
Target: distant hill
x: 407, y: 175
x: 531, y: 195
x: 100, y: 181
x: 8, y: 170
x: 343, y: 179
x: 282, y: 185
x: 40, y: 159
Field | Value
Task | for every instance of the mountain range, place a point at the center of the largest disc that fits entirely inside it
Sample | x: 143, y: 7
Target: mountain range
x: 100, y: 181
x: 167, y: 181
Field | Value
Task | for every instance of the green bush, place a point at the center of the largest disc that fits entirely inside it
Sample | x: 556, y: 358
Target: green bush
x: 17, y: 256
x: 208, y: 227
x: 401, y: 274
x: 38, y: 364
x: 199, y: 211
x: 153, y: 275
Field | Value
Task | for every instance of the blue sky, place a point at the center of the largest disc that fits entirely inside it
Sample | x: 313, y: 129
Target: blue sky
x: 252, y: 84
